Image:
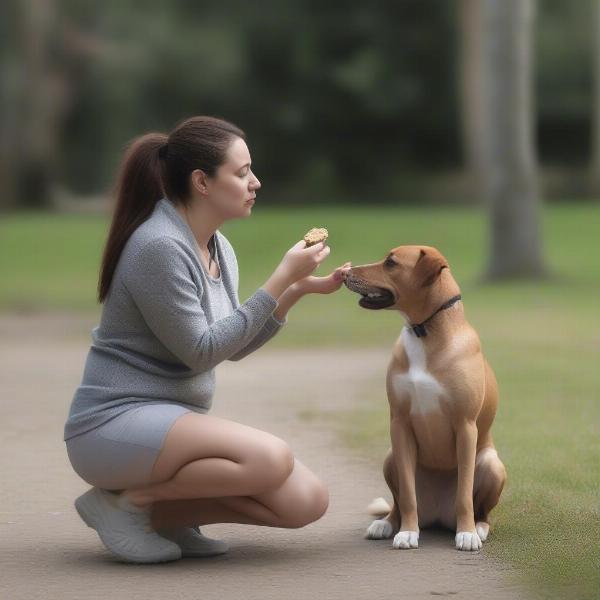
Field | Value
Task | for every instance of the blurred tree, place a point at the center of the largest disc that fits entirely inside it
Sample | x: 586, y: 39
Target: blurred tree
x: 594, y: 175
x: 339, y: 100
x: 470, y: 88
x: 563, y: 87
x: 9, y: 77
x: 39, y: 80
x: 344, y: 100
x: 32, y: 105
x: 509, y: 165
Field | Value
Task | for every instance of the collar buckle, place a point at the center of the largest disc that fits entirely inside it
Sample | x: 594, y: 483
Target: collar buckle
x: 419, y: 329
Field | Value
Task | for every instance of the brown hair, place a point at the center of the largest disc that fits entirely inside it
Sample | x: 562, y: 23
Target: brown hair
x: 156, y: 165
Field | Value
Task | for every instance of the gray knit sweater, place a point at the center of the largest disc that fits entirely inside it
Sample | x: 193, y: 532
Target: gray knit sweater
x: 165, y: 324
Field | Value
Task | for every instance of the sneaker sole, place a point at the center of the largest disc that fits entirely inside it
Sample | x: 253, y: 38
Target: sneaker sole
x: 191, y: 553
x: 85, y: 508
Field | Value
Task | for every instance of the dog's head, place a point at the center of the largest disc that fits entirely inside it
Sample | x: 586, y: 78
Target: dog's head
x: 408, y: 279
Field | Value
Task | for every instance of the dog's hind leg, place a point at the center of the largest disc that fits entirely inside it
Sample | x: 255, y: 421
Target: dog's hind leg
x: 381, y: 529
x: 385, y: 528
x: 490, y: 477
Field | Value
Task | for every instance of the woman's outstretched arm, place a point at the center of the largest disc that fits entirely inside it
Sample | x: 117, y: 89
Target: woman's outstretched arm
x: 310, y: 285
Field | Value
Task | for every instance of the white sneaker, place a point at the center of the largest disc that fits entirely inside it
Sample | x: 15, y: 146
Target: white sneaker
x: 124, y: 529
x: 193, y: 543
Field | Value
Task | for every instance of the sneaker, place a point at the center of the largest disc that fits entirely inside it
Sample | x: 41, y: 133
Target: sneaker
x: 124, y: 528
x: 193, y: 543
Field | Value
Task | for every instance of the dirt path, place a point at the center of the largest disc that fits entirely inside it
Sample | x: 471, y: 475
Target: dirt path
x: 47, y: 552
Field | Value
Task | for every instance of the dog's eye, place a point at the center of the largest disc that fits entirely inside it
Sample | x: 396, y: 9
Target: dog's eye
x: 389, y: 262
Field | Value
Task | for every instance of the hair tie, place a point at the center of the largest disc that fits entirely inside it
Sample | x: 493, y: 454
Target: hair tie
x: 163, y: 150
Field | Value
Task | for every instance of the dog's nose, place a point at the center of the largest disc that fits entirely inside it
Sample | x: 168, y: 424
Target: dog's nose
x: 348, y: 279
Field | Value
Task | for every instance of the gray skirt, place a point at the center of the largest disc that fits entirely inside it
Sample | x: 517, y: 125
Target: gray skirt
x: 121, y: 453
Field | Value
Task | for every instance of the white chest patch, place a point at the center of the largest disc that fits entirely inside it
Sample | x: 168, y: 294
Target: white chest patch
x: 424, y: 390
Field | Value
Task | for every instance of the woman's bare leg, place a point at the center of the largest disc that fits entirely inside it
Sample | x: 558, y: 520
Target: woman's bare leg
x: 230, y: 473
x: 302, y: 499
x: 210, y: 457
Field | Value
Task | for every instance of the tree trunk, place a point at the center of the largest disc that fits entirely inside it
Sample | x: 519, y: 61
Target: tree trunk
x: 34, y: 175
x: 509, y: 165
x: 32, y: 107
x: 594, y: 174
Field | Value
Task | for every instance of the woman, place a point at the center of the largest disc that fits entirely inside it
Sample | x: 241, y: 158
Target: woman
x: 137, y: 428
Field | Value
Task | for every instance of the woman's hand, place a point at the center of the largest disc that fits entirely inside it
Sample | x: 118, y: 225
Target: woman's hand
x: 310, y: 285
x: 300, y: 261
x: 323, y: 285
x: 297, y: 264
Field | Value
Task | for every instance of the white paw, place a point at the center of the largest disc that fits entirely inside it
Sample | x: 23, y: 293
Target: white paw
x: 470, y: 542
x: 379, y: 529
x: 483, y: 530
x: 406, y: 539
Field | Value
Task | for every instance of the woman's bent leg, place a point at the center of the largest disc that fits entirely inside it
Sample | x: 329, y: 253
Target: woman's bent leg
x: 209, y: 457
x: 300, y: 500
x: 212, y: 470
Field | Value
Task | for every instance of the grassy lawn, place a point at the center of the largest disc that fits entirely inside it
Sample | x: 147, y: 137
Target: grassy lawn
x: 543, y: 340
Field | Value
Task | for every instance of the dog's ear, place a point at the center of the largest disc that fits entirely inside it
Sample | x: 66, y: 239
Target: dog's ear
x: 429, y: 266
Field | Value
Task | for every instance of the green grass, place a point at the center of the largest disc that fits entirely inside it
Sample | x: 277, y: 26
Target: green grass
x: 50, y: 261
x: 542, y: 338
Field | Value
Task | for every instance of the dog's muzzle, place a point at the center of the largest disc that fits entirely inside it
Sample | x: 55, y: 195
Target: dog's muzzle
x: 373, y: 297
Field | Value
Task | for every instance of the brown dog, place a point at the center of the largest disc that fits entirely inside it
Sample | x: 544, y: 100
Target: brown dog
x: 443, y: 397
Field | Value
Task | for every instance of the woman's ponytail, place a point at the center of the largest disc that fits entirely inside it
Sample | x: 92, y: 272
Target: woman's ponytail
x: 139, y: 187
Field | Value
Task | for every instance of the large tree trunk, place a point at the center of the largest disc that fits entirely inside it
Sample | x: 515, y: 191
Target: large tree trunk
x: 509, y: 164
x: 594, y: 175
x: 32, y: 106
x: 38, y: 78
x: 34, y: 171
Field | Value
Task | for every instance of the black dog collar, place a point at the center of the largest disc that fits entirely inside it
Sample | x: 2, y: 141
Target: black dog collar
x: 419, y: 330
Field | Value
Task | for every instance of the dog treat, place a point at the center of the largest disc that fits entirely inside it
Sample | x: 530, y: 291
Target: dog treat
x: 315, y: 235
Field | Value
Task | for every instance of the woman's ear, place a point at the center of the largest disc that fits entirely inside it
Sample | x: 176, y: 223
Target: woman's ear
x: 199, y: 181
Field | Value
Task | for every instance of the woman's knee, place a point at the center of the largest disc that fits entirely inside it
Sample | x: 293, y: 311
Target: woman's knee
x: 309, y: 506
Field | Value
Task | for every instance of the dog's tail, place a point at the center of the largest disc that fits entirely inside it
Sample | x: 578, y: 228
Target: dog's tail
x: 379, y: 507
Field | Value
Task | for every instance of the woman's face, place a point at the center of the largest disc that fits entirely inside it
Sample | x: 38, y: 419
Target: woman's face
x: 232, y: 190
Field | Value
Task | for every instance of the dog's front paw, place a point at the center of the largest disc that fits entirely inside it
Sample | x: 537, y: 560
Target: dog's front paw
x: 468, y: 541
x: 380, y: 529
x: 406, y: 539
